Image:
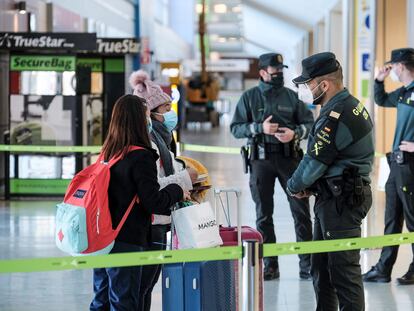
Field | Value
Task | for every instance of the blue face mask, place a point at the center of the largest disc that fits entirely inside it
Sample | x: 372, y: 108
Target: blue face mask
x: 149, y: 125
x: 170, y: 120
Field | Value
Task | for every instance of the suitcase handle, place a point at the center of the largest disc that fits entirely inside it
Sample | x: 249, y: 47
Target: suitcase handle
x: 237, y: 193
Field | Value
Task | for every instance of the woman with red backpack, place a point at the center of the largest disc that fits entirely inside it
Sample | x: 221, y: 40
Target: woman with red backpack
x: 135, y: 174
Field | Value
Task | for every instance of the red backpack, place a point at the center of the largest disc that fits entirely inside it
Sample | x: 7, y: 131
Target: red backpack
x: 83, y: 220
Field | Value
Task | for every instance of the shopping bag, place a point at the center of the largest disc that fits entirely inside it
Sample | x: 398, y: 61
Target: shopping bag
x: 196, y: 226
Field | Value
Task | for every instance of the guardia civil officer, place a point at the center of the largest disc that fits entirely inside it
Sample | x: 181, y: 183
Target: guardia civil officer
x: 336, y: 168
x: 399, y: 189
x: 274, y: 120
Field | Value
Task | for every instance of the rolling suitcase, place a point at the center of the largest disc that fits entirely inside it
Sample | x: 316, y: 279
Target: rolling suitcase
x: 210, y: 285
x: 173, y: 287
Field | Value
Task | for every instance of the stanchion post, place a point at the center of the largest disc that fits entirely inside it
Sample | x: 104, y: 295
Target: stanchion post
x: 6, y: 140
x: 251, y: 275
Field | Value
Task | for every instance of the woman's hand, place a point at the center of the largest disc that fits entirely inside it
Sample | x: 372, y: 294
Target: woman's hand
x: 186, y: 196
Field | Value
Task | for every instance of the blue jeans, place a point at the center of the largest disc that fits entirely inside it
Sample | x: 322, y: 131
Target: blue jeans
x: 117, y: 289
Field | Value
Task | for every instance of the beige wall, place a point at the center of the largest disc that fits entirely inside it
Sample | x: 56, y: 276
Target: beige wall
x: 391, y: 34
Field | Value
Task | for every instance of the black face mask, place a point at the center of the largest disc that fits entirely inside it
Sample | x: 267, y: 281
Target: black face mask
x: 277, y: 79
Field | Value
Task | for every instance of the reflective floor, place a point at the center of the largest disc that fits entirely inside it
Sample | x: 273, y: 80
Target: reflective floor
x: 26, y: 230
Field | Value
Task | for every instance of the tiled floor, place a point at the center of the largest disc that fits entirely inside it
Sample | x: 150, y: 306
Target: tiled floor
x: 26, y: 230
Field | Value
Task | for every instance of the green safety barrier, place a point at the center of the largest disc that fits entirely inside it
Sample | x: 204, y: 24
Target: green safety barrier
x: 193, y: 255
x: 119, y: 260
x: 270, y: 250
x: 50, y: 149
x: 97, y: 149
x: 210, y: 149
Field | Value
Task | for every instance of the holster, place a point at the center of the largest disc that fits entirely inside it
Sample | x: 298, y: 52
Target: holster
x: 349, y: 188
x: 244, y: 152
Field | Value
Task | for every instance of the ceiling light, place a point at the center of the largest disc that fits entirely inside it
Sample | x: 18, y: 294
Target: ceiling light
x: 214, y: 56
x: 236, y: 9
x: 220, y: 8
x: 21, y: 7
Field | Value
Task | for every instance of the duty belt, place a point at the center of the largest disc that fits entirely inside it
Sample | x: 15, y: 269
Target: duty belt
x: 400, y: 157
x: 274, y: 148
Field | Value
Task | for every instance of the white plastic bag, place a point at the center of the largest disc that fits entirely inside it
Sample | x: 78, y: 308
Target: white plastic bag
x: 196, y: 226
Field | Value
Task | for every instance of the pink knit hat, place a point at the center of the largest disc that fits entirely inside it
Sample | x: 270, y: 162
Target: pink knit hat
x: 147, y: 89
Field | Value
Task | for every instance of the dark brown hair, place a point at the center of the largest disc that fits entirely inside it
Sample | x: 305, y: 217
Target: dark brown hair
x: 336, y: 77
x: 128, y: 127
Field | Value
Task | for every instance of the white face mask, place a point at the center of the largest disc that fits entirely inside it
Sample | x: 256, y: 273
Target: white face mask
x: 394, y: 76
x: 305, y: 94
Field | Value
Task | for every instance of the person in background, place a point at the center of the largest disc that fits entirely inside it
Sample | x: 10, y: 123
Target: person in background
x: 399, y: 203
x: 134, y: 174
x: 163, y: 122
x: 274, y: 120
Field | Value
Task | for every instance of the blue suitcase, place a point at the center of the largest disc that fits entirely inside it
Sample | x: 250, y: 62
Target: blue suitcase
x: 210, y: 286
x: 199, y: 286
x: 173, y: 287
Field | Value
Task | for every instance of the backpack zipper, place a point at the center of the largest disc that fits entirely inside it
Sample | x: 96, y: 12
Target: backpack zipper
x: 97, y: 221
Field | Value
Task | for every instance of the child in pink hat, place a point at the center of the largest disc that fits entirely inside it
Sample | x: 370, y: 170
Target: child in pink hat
x: 147, y: 89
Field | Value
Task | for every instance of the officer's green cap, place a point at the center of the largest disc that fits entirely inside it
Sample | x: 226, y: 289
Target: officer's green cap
x: 317, y: 65
x: 272, y: 60
x: 405, y: 55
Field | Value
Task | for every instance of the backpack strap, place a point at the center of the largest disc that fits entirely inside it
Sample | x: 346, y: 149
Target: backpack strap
x: 113, y: 161
x: 124, y: 218
x: 135, y: 199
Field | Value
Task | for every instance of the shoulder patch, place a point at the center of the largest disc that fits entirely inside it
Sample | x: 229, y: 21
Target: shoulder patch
x: 334, y: 114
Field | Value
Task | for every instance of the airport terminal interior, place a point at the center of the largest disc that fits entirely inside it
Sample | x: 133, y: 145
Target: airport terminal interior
x: 64, y: 64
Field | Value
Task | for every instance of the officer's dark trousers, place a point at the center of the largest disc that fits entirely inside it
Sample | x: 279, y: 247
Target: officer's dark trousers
x: 399, y: 206
x: 151, y: 274
x: 337, y: 276
x: 117, y: 289
x: 262, y: 185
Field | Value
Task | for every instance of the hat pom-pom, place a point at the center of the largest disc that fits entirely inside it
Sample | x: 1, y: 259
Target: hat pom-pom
x: 138, y: 77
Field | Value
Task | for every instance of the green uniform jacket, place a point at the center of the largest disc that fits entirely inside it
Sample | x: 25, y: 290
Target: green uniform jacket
x: 403, y: 100
x: 341, y: 137
x: 264, y: 100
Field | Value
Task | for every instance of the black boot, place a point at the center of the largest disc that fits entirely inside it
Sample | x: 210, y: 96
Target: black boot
x: 271, y: 273
x: 406, y: 279
x: 375, y: 275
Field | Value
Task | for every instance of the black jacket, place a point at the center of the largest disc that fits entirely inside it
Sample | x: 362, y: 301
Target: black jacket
x: 264, y: 100
x: 137, y: 174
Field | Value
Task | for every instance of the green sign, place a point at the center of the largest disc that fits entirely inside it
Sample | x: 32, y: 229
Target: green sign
x: 39, y: 186
x: 365, y: 88
x: 94, y: 63
x: 114, y: 65
x: 42, y: 63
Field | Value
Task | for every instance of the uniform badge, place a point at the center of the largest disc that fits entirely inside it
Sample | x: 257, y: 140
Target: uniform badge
x: 335, y: 114
x: 316, y: 149
x: 279, y: 59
